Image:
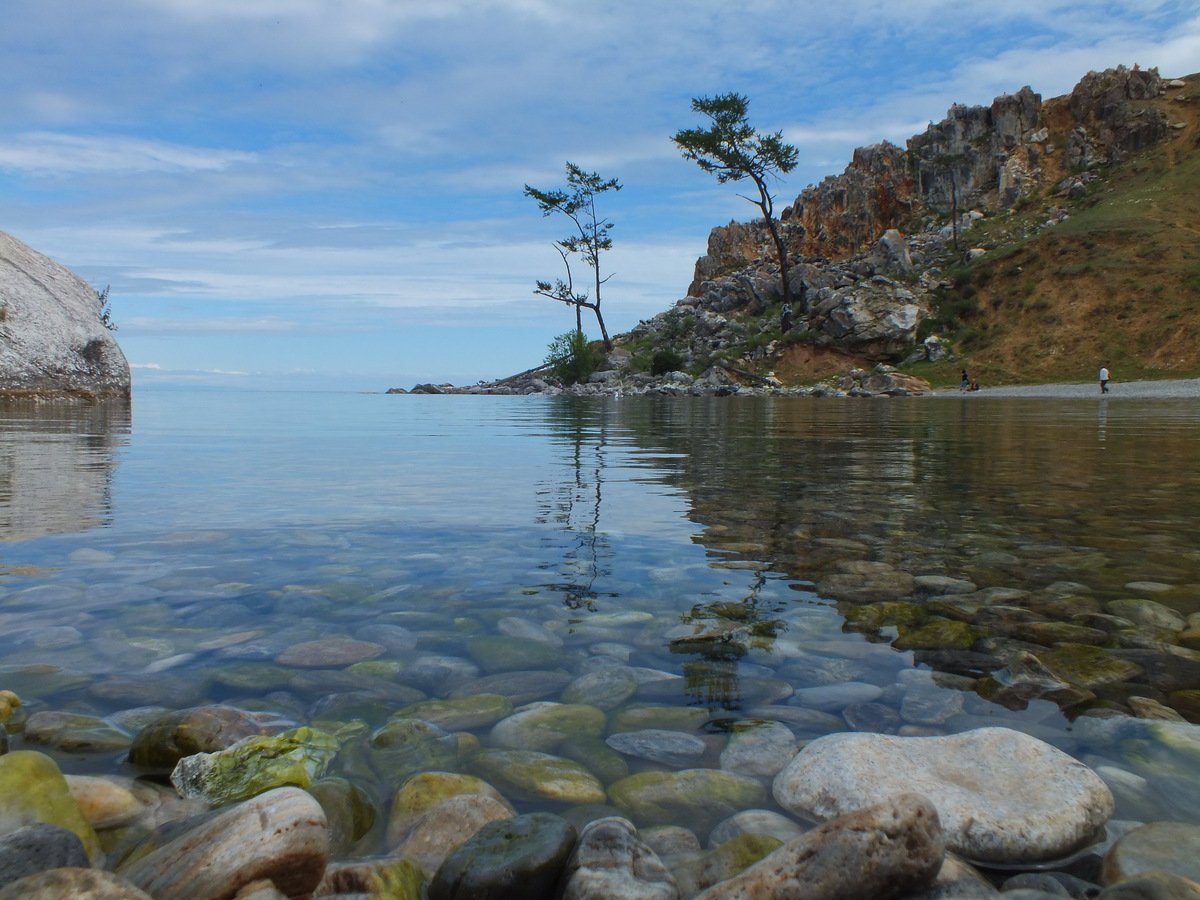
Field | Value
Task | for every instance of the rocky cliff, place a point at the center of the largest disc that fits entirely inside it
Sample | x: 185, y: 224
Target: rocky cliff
x: 52, y: 340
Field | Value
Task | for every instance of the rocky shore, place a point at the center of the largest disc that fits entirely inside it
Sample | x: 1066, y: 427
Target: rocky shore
x: 538, y: 783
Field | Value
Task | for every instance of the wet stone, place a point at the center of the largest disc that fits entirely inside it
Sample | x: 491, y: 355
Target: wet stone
x: 500, y: 653
x: 605, y: 688
x: 203, y: 729
x: 1030, y: 802
x: 511, y: 626
x: 461, y: 713
x: 519, y: 687
x: 1147, y: 612
x: 596, y: 756
x: 546, y: 724
x: 638, y: 717
x: 86, y: 884
x: 522, y: 856
x: 836, y: 697
x: 280, y: 835
x: 610, y: 860
x: 1166, y: 846
x: 74, y: 733
x: 930, y: 705
x: 427, y: 790
x: 874, y: 717
x: 671, y: 748
x: 529, y: 775
x: 438, y: 675
x: 441, y: 830
x: 889, y: 849
x: 1153, y: 886
x: 32, y: 789
x: 36, y: 848
x: 699, y: 797
x: 759, y: 748
x: 328, y: 653
x: 754, y: 821
x: 1087, y: 667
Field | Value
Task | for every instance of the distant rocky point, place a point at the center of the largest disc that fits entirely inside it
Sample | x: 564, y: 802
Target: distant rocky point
x: 53, y: 342
x: 899, y: 261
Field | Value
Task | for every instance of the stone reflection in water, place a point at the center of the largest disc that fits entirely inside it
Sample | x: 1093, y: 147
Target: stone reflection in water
x: 1032, y: 549
x: 56, y: 465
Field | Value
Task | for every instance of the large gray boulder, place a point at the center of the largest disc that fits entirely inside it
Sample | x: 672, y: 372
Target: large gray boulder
x: 52, y: 341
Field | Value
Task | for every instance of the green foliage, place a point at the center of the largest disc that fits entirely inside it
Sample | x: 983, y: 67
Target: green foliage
x: 590, y: 238
x: 665, y: 361
x: 571, y: 357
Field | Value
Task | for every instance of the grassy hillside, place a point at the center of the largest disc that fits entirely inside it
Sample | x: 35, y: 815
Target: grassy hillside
x: 1117, y: 283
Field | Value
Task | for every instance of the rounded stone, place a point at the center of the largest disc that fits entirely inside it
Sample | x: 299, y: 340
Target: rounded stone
x: 280, y: 835
x: 460, y: 713
x: 103, y: 802
x: 1166, y: 846
x: 754, y: 821
x: 888, y: 849
x: 544, y: 725
x: 610, y: 860
x: 1002, y: 796
x: 328, y: 653
x: 55, y: 884
x: 423, y: 792
x: 759, y: 748
x: 33, y: 790
x: 202, y: 729
x: 441, y: 830
x: 696, y: 797
x: 833, y: 698
x: 520, y: 857
x: 519, y: 687
x: 36, y: 848
x: 500, y: 653
x: 670, y: 748
x: 530, y: 775
x: 605, y: 688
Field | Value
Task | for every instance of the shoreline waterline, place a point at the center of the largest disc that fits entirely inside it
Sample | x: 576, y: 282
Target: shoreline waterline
x: 1173, y: 389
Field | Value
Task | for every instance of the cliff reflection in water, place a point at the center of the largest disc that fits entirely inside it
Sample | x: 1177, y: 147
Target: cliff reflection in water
x: 56, y: 465
x: 1015, y: 543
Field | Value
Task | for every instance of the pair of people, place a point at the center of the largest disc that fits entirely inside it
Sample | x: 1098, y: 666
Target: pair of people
x: 968, y: 383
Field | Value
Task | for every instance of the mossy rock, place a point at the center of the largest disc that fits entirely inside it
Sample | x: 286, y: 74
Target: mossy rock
x: 255, y: 766
x: 349, y: 811
x: 1086, y: 666
x: 1050, y: 633
x: 938, y: 634
x: 33, y: 790
x: 529, y: 775
x: 873, y: 616
x: 403, y: 747
x: 597, y: 757
x: 545, y: 725
x: 426, y: 790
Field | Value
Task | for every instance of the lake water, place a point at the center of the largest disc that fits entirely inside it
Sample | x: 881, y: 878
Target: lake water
x: 882, y: 565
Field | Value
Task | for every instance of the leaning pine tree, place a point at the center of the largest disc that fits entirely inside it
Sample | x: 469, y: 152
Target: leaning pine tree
x: 733, y: 150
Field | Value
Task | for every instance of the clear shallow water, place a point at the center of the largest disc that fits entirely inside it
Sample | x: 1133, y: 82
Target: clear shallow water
x: 133, y: 545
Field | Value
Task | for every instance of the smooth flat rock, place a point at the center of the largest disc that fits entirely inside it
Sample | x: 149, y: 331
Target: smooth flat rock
x: 759, y: 748
x: 530, y: 775
x: 33, y: 790
x: 546, y: 724
x: 1002, y: 796
x: 754, y: 821
x: 698, y: 797
x: 440, y: 831
x: 423, y: 792
x: 884, y: 850
x: 670, y: 748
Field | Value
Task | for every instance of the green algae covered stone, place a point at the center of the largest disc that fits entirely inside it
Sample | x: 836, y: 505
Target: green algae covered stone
x: 256, y: 765
x: 1087, y: 666
x: 33, y: 791
x: 698, y: 798
x: 938, y: 634
x: 530, y: 775
x: 500, y: 653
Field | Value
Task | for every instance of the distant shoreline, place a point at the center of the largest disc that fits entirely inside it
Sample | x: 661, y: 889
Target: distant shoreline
x: 1175, y: 389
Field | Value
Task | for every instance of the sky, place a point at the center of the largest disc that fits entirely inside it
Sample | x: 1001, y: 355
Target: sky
x: 328, y: 194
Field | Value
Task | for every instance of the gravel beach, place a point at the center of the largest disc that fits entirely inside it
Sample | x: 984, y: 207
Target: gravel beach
x: 1179, y: 389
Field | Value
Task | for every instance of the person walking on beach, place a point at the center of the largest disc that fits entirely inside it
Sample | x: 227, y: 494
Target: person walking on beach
x: 1103, y: 380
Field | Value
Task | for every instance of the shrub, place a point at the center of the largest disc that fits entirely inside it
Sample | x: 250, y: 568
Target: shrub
x: 665, y: 361
x: 571, y: 357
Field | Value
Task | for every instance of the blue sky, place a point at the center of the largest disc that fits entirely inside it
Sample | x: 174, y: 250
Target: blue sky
x: 328, y: 193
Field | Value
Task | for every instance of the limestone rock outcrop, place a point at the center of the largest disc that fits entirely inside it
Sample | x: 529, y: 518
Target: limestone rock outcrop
x: 52, y: 340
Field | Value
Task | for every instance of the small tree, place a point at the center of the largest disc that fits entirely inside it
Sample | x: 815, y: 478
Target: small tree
x: 733, y: 150
x: 571, y: 358
x: 578, y: 203
x: 105, y: 309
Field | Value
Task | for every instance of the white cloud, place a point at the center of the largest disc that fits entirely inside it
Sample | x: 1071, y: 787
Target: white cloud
x: 59, y: 154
